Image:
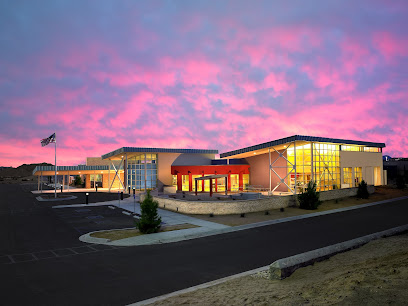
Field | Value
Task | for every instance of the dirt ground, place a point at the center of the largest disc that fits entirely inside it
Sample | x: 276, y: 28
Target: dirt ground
x: 381, y: 193
x: 375, y: 274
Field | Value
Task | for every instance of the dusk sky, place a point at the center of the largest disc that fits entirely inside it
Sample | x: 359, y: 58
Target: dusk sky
x: 198, y: 74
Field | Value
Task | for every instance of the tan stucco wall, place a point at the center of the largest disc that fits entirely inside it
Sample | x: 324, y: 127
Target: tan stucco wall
x: 259, y: 166
x: 366, y: 160
x: 164, y: 162
x: 96, y: 161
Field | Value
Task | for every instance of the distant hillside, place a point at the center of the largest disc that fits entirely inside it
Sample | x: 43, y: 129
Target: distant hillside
x: 24, y: 170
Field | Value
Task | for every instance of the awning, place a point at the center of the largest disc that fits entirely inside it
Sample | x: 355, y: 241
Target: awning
x: 208, y: 177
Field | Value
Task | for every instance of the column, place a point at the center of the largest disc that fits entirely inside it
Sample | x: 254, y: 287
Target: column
x: 125, y: 176
x: 145, y: 169
x: 211, y: 192
x: 294, y: 149
x: 179, y: 182
x: 226, y: 184
x: 109, y: 186
x: 241, y: 181
x: 269, y: 171
x: 190, y: 181
x: 202, y: 183
x: 229, y: 181
x: 196, y: 185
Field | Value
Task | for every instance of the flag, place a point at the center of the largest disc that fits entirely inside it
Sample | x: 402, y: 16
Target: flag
x: 48, y: 140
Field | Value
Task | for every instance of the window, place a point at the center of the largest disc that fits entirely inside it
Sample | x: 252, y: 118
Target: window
x: 347, y: 178
x: 358, y: 176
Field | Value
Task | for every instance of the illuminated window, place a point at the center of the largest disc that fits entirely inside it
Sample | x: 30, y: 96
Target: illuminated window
x: 358, y: 176
x: 142, y: 171
x: 174, y: 180
x: 234, y: 182
x: 347, y: 177
x: 245, y: 181
x: 185, y: 183
x: 199, y: 183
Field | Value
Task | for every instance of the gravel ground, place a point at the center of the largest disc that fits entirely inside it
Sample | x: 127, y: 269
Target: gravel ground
x: 375, y: 274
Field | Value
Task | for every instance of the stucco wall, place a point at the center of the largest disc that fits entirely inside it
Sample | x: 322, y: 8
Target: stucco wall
x: 244, y: 206
x: 165, y: 161
x: 259, y: 166
x: 366, y: 160
x: 96, y: 161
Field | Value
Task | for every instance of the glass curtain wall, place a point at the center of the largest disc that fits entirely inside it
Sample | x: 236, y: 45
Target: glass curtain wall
x: 142, y: 171
x: 317, y: 161
x: 326, y: 166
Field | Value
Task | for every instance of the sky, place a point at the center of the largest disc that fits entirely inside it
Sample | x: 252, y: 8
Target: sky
x: 198, y: 74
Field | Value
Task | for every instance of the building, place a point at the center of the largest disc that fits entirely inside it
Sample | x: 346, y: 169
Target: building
x: 283, y: 166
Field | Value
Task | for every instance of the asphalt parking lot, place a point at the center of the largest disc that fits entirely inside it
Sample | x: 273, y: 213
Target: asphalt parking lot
x: 93, y: 197
x: 95, y: 218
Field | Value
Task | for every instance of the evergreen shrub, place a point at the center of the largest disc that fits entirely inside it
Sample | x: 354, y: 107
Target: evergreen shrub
x: 150, y: 221
x: 310, y: 198
x: 362, y: 191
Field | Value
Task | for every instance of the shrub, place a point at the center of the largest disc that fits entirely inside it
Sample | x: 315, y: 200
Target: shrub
x: 78, y: 180
x: 149, y: 220
x: 400, y: 182
x: 310, y: 198
x: 362, y: 191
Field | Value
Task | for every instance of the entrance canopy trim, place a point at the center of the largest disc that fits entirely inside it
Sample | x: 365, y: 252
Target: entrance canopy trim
x: 156, y: 150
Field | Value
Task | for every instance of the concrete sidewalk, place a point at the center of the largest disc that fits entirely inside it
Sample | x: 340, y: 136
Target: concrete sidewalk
x: 168, y: 218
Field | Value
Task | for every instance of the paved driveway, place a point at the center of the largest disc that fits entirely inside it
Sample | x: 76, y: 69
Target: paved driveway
x: 120, y: 276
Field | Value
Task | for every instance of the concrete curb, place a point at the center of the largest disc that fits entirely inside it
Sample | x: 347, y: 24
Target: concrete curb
x: 284, y: 267
x: 41, y: 199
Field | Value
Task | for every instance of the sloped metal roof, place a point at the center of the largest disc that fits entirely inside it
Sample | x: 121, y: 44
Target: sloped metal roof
x: 157, y: 150
x: 304, y: 138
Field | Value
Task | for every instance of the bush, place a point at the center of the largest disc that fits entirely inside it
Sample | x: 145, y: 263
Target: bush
x: 310, y: 198
x: 362, y: 191
x: 400, y: 182
x: 149, y: 220
x: 78, y: 180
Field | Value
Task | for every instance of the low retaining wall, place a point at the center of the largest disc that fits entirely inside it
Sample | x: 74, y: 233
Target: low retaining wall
x: 224, y: 207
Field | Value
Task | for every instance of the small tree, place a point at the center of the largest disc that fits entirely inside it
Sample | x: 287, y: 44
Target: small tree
x: 310, y: 198
x: 362, y: 191
x: 400, y: 182
x: 78, y: 180
x: 149, y: 220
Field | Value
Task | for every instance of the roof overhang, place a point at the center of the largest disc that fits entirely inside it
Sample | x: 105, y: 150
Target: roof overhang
x: 71, y: 170
x: 281, y: 144
x: 216, y: 176
x: 119, y: 153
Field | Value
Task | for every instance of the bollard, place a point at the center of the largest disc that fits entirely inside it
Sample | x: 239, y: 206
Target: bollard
x: 61, y: 188
x: 96, y: 188
x: 134, y: 203
x: 87, y: 194
x: 134, y: 190
x: 121, y: 195
x: 129, y: 190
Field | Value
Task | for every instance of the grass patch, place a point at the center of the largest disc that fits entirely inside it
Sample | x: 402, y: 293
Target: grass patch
x: 127, y: 233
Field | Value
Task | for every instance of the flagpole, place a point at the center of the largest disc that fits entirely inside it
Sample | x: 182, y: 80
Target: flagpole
x: 55, y: 180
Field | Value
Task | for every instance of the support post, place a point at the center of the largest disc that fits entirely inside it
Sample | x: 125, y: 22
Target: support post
x: 69, y: 180
x: 269, y: 171
x: 196, y: 185
x: 125, y: 176
x: 294, y: 148
x: 211, y: 191
x: 41, y: 181
x: 226, y: 185
x: 190, y: 181
x: 38, y: 180
x: 109, y: 176
x: 55, y: 179
x: 145, y: 167
x: 95, y: 179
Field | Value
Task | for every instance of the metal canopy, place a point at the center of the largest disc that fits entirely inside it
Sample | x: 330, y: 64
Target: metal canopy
x: 215, y: 176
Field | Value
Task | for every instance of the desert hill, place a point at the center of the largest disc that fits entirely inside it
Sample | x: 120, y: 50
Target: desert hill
x: 21, y: 173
